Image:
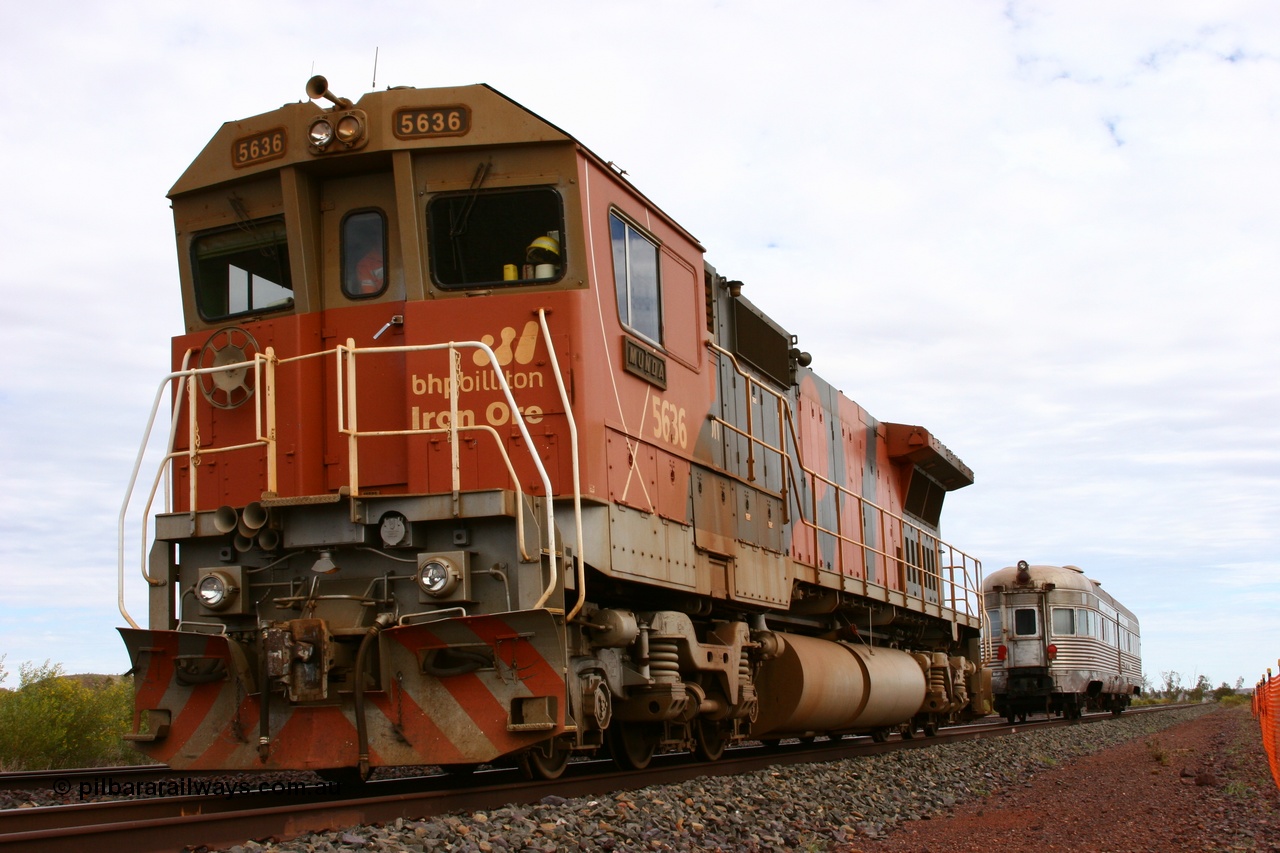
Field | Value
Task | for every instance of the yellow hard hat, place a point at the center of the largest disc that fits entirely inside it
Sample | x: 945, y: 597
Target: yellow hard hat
x: 549, y: 245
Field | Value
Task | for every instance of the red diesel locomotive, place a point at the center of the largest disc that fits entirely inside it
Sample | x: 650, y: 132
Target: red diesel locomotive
x: 473, y: 458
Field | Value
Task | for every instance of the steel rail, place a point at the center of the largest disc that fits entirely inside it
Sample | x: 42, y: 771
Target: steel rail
x: 171, y: 823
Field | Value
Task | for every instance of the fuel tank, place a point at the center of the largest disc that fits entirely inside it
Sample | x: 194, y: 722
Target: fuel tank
x: 814, y: 686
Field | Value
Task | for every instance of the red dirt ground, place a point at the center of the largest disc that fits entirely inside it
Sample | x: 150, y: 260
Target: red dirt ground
x: 1201, y: 785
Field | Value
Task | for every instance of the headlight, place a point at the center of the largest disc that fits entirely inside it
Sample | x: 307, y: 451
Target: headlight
x: 321, y: 133
x: 350, y: 128
x: 438, y: 577
x: 216, y: 590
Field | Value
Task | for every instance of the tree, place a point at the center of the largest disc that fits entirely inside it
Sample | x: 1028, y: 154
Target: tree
x: 1222, y: 691
x: 1197, y: 693
x: 52, y: 722
x: 1172, y: 683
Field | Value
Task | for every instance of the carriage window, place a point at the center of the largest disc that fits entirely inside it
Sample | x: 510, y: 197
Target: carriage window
x: 364, y: 252
x: 635, y: 275
x: 1064, y: 623
x: 1024, y: 622
x: 1086, y: 626
x: 242, y: 270
x: 496, y: 237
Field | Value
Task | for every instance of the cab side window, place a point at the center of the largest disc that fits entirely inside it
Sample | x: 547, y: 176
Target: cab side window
x: 364, y: 254
x: 635, y: 276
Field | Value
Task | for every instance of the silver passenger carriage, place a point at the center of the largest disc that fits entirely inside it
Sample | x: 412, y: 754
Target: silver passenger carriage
x: 1058, y: 644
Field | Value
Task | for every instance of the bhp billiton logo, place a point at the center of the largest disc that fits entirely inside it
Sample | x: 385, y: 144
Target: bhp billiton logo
x: 513, y: 349
x: 523, y: 352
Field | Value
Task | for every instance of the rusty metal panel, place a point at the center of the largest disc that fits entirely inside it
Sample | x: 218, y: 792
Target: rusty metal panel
x: 681, y: 554
x: 759, y: 518
x: 633, y: 475
x: 731, y: 450
x: 748, y: 515
x: 650, y: 548
x: 673, y: 487
x: 762, y: 576
x: 715, y: 506
x: 770, y: 510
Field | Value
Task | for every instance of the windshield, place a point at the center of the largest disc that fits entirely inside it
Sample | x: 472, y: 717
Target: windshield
x: 242, y: 270
x: 496, y: 237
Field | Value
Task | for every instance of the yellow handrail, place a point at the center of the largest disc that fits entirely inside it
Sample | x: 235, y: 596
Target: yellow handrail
x: 963, y: 590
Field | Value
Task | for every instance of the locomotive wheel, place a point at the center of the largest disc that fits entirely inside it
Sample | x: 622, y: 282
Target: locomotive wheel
x: 930, y: 729
x: 538, y: 765
x: 633, y: 744
x: 712, y: 739
x: 880, y: 735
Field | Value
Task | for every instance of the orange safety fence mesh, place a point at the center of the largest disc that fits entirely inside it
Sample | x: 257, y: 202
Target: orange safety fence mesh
x: 1266, y: 707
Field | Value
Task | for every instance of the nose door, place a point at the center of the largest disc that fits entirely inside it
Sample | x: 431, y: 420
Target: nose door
x: 1026, y: 637
x: 362, y: 288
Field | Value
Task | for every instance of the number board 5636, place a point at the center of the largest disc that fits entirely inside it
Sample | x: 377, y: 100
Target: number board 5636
x: 257, y: 147
x: 420, y: 122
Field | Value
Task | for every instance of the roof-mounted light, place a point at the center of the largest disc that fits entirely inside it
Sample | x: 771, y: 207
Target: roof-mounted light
x: 320, y: 133
x: 350, y: 129
x: 338, y: 131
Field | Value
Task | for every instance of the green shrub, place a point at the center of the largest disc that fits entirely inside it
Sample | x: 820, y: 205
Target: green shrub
x: 52, y: 721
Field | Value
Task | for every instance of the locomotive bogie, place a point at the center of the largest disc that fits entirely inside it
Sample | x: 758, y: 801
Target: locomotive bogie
x: 474, y: 458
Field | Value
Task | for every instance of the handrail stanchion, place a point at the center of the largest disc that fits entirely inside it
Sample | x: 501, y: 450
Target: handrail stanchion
x: 455, y: 455
x: 269, y: 403
x: 353, y: 455
x: 573, y: 452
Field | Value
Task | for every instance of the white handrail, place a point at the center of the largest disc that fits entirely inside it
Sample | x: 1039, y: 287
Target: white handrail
x: 573, y: 452
x: 133, y: 479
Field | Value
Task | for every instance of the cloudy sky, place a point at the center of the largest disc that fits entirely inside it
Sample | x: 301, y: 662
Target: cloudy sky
x: 1045, y: 231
